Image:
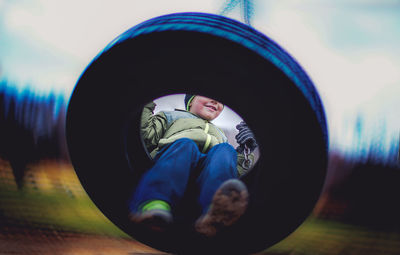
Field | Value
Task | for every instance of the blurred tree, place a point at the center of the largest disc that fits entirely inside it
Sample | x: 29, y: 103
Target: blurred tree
x: 398, y: 151
x: 32, y: 127
x: 372, y: 192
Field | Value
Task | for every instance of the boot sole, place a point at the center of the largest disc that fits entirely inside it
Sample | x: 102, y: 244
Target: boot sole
x: 228, y: 204
x: 153, y: 220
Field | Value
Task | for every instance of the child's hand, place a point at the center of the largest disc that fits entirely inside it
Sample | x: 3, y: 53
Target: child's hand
x: 245, y: 137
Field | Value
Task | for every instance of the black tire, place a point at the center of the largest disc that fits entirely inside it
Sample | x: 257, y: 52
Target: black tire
x: 219, y: 58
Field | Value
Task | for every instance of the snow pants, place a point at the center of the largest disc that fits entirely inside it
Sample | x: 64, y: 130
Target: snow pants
x: 181, y: 170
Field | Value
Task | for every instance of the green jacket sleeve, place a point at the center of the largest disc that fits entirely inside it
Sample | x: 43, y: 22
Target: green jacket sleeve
x: 152, y: 126
x: 243, y: 168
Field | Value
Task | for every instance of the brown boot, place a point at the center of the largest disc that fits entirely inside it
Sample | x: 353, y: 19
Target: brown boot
x: 228, y: 204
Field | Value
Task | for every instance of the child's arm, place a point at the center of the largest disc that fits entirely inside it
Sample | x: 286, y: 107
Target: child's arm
x: 152, y: 126
x: 247, y: 144
x: 242, y: 166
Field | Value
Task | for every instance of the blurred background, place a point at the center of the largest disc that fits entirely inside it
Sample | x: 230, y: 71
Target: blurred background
x: 348, y: 48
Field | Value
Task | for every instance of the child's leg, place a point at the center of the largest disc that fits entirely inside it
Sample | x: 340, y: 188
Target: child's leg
x: 218, y: 166
x: 223, y: 197
x: 168, y: 178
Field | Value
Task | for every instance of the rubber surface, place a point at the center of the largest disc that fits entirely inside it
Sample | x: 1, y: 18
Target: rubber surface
x: 220, y: 58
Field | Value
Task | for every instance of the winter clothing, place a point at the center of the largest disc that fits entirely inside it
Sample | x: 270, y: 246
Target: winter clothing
x: 188, y: 100
x: 228, y: 204
x: 245, y: 137
x: 164, y: 128
x: 156, y: 220
x: 193, y: 170
x: 181, y: 162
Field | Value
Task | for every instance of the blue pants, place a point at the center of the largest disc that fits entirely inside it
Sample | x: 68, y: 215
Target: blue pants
x: 180, y: 167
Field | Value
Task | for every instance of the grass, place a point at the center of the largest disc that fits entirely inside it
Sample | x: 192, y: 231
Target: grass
x: 52, y: 203
x: 324, y: 237
x: 54, y: 199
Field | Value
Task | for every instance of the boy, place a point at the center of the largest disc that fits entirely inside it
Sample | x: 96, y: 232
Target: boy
x: 190, y: 153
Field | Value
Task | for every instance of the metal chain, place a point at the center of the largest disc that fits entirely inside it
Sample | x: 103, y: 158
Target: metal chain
x: 247, y: 161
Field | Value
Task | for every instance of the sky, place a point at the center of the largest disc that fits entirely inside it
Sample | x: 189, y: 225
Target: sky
x: 348, y: 48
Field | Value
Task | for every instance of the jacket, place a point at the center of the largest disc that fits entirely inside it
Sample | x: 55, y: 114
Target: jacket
x: 163, y: 128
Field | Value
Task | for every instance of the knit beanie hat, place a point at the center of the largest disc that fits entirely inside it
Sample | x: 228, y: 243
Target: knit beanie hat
x: 188, y: 100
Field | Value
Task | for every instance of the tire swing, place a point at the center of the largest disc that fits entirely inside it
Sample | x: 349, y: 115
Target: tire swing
x: 213, y: 56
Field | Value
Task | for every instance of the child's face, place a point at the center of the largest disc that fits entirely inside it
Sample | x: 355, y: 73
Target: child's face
x: 205, y: 107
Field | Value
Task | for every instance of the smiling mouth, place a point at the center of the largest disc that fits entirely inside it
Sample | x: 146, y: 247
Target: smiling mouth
x: 211, y: 107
